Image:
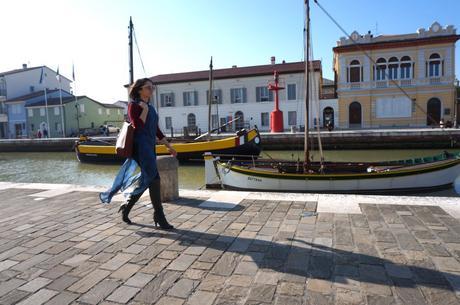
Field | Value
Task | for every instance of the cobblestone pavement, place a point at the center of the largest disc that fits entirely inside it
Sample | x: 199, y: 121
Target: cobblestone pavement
x: 69, y: 249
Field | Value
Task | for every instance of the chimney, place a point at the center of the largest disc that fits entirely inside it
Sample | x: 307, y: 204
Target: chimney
x: 272, y: 60
x: 24, y: 66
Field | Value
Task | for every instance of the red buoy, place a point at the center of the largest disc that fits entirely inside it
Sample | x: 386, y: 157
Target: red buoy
x: 276, y: 116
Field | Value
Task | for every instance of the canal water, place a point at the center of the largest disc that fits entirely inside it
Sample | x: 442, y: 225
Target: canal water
x: 64, y: 168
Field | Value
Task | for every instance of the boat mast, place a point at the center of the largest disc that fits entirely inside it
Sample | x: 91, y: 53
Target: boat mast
x: 307, y: 84
x: 131, y: 70
x: 210, y: 99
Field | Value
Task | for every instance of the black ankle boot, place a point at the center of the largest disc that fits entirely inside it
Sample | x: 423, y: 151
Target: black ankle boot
x: 159, y: 218
x: 125, y: 209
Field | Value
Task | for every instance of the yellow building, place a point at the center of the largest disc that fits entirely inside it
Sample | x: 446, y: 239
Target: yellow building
x: 396, y: 80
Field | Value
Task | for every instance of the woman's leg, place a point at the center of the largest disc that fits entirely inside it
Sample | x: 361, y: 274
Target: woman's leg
x: 126, y: 207
x: 155, y: 197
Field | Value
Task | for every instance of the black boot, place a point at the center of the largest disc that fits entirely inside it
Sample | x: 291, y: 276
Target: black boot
x: 159, y: 217
x: 126, y: 208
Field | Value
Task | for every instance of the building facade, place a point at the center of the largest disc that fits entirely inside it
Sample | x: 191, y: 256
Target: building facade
x: 22, y: 82
x: 396, y: 80
x: 182, y: 98
x: 64, y: 120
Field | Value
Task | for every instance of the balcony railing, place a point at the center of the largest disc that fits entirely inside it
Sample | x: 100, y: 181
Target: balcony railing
x: 381, y: 84
x: 435, y: 80
x: 355, y: 86
x: 405, y: 82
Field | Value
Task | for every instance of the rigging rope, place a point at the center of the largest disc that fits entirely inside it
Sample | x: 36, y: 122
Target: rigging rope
x: 139, y: 52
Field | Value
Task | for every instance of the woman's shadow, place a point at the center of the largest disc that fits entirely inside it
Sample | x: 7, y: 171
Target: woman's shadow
x: 311, y: 260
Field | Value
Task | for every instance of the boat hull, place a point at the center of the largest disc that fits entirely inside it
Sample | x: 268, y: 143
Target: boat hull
x: 246, y: 145
x: 435, y: 176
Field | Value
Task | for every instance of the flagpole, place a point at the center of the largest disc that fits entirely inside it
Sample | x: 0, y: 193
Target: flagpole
x: 62, y: 106
x: 48, y: 132
x: 76, y: 100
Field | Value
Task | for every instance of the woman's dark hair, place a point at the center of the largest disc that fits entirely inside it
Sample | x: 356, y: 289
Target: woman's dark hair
x: 137, y: 86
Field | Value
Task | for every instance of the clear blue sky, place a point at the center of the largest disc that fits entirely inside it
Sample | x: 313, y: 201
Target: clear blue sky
x: 181, y: 35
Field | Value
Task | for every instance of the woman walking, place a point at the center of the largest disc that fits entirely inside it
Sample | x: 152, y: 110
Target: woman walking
x: 144, y: 118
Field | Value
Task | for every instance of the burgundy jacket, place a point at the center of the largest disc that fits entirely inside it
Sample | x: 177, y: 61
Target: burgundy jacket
x: 134, y: 114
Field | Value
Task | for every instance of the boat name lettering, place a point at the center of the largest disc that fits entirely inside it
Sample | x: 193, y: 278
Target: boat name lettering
x: 254, y: 179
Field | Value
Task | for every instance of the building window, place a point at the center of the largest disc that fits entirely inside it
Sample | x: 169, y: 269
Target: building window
x: 292, y: 118
x: 264, y: 119
x: 434, y: 64
x: 99, y: 110
x: 263, y: 94
x: 118, y: 112
x: 82, y: 108
x: 42, y: 111
x: 406, y: 66
x: 216, y: 96
x: 32, y: 127
x: 57, y: 126
x: 2, y: 87
x: 168, y: 122
x: 107, y: 111
x: 393, y: 68
x: 214, y: 121
x: 239, y: 123
x: 191, y: 120
x: 291, y: 92
x: 167, y: 99
x: 30, y: 112
x: 238, y: 95
x: 190, y: 98
x: 355, y: 71
x: 16, y: 109
x: 56, y: 110
x: 381, y: 69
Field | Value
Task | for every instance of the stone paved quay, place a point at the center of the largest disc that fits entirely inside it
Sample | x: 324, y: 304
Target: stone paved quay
x: 58, y: 245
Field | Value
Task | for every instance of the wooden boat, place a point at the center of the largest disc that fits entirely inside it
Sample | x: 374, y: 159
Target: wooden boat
x: 244, y: 143
x: 401, y: 176
x: 422, y: 174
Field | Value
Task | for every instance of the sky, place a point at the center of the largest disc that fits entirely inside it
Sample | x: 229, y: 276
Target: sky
x: 181, y: 35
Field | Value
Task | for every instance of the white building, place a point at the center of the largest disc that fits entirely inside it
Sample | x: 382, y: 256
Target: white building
x: 21, y: 82
x: 182, y: 98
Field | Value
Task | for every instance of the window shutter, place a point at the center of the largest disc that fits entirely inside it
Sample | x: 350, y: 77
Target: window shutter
x: 426, y: 69
x: 184, y: 96
x: 195, y: 97
x: 244, y: 95
x: 270, y: 95
x: 172, y: 99
x: 442, y: 68
x: 219, y: 95
x: 348, y: 75
x: 373, y: 73
x: 413, y: 70
x: 162, y: 98
x: 258, y: 89
x: 232, y: 96
x: 362, y: 72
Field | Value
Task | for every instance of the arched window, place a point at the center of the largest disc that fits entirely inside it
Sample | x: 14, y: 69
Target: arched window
x: 434, y: 64
x: 355, y: 71
x: 191, y: 120
x: 381, y: 69
x: 393, y: 64
x: 406, y: 66
x: 239, y: 124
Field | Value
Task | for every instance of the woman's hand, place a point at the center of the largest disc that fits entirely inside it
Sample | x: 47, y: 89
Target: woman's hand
x: 172, y: 151
x: 143, y: 105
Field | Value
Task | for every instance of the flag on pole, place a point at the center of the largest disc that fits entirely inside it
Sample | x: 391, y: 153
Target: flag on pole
x: 58, y: 76
x: 41, y: 76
